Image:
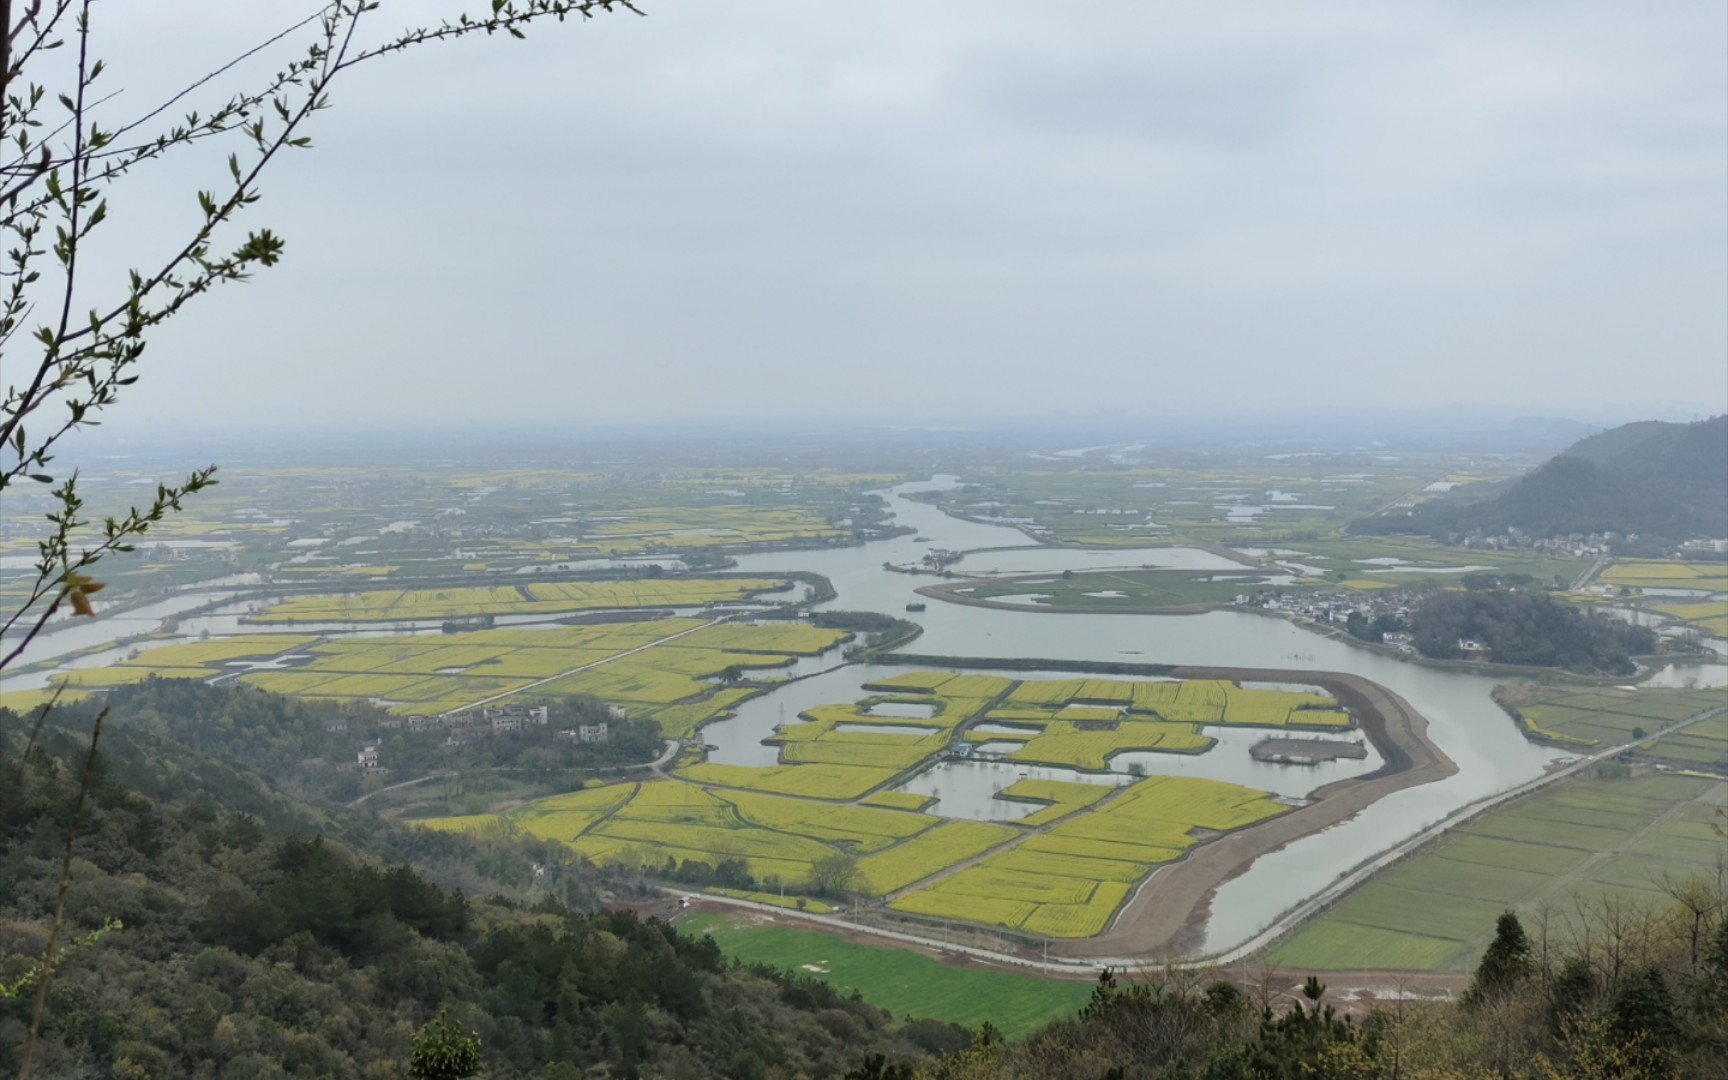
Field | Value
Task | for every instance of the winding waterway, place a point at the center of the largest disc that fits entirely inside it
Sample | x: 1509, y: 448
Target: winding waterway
x: 1465, y: 723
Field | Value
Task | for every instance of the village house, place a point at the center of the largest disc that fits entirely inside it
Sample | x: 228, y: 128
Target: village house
x: 515, y: 717
x: 367, y: 758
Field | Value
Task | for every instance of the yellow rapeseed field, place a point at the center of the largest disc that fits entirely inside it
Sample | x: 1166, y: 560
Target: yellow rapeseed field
x: 824, y: 781
x: 383, y: 605
x: 929, y: 852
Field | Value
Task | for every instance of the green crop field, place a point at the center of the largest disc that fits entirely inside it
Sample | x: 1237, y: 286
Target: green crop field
x: 905, y: 983
x: 1332, y: 945
x: 1612, y: 717
x: 1554, y: 854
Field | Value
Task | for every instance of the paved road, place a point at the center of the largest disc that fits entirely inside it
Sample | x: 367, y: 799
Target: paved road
x: 1584, y: 578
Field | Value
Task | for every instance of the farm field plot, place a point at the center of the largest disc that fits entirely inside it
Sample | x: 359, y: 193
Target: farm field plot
x: 550, y: 597
x: 1191, y: 701
x: 1376, y: 562
x: 849, y: 735
x: 652, y: 528
x: 1062, y: 743
x: 1610, y: 717
x: 183, y: 660
x: 1340, y: 946
x: 862, y: 829
x: 1667, y: 574
x: 434, y: 674
x: 1132, y: 504
x: 930, y: 852
x: 1069, y: 881
x: 682, y: 721
x: 776, y: 838
x: 1082, y: 723
x: 1063, y: 798
x: 1702, y: 744
x: 668, y: 820
x: 815, y: 781
x: 218, y: 650
x: 1042, y: 904
x: 899, y: 980
x: 1552, y: 854
x: 1710, y: 616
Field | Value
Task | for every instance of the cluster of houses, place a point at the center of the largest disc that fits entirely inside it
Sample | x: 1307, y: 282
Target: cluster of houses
x: 1573, y: 545
x: 486, y: 722
x: 1582, y: 545
x: 1331, y: 607
x: 1338, y: 608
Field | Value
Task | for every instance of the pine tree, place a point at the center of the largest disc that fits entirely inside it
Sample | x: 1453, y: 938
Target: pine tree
x: 1506, y: 964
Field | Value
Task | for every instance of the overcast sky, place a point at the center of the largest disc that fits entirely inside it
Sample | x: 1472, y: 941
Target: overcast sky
x: 967, y: 209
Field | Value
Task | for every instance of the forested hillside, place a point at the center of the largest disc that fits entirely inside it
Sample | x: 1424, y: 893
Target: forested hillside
x: 210, y: 932
x: 1526, y: 627
x: 1663, y: 482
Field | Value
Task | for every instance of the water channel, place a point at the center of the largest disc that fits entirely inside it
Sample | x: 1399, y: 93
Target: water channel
x: 1464, y: 722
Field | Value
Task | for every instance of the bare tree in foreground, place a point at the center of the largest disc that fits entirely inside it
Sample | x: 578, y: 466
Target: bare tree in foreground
x: 70, y: 344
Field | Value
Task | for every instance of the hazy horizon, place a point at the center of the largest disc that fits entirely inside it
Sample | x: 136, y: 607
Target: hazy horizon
x: 775, y: 212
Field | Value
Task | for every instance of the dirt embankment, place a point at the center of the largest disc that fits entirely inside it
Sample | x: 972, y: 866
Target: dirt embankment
x: 1164, y: 916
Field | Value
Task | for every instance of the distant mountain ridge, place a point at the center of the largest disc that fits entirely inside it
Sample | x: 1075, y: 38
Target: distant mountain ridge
x: 1663, y: 482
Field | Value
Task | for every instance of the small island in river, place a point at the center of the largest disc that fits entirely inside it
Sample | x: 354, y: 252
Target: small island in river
x: 1306, y: 751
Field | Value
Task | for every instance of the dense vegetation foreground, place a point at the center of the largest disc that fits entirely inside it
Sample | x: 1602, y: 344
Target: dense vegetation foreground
x: 217, y: 927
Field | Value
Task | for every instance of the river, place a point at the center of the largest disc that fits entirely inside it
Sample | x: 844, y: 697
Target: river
x: 1464, y: 722
x: 1491, y: 754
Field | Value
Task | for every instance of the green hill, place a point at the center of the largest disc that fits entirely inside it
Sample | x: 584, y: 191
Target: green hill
x: 1659, y: 481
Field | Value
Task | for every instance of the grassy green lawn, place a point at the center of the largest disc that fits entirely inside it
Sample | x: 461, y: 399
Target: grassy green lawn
x: 1568, y: 846
x: 904, y: 982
